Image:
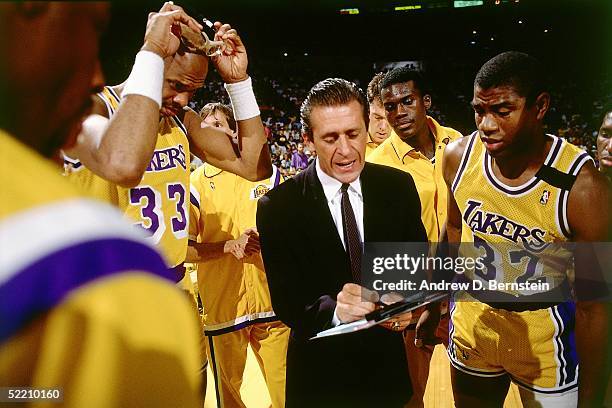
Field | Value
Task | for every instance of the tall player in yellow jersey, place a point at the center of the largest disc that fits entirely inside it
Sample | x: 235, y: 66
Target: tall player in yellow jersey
x: 512, y: 185
x: 86, y: 307
x: 155, y: 145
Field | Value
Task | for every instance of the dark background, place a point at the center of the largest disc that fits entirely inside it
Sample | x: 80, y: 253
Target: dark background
x: 320, y: 42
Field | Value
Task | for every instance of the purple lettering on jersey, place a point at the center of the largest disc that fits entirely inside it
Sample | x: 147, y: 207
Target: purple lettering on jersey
x: 178, y: 223
x: 497, y: 225
x: 181, y: 157
x: 169, y: 158
x: 137, y: 194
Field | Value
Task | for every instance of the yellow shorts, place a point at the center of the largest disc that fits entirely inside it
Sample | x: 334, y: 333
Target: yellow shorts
x: 537, y: 349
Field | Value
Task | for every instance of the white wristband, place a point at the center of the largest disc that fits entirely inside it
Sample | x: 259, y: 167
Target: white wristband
x: 147, y: 77
x: 243, y: 99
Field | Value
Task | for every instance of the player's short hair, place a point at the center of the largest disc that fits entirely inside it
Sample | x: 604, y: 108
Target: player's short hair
x: 212, y: 107
x: 332, y: 92
x: 516, y: 69
x: 405, y: 74
x: 373, y: 90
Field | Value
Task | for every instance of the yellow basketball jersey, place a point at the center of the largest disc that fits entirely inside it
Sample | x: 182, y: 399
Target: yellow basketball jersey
x: 72, y: 279
x: 159, y: 204
x: 512, y: 228
x: 223, y: 205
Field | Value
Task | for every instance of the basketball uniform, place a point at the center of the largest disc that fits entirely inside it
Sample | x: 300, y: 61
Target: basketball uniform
x: 159, y: 204
x: 86, y: 304
x: 235, y: 296
x: 512, y: 229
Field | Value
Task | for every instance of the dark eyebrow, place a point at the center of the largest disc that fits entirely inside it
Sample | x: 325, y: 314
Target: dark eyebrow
x: 330, y: 134
x: 504, y: 104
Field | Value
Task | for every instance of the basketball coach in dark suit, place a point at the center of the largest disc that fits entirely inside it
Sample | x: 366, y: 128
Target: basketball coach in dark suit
x: 312, y: 228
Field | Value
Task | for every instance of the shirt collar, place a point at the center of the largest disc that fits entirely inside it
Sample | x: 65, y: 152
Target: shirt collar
x: 331, y: 186
x: 403, y: 148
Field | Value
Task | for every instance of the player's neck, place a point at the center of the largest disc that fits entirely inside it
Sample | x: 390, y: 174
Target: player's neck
x: 423, y: 142
x: 523, y: 162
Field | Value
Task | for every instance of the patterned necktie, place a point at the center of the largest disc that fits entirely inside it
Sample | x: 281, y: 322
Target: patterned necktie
x: 352, y: 240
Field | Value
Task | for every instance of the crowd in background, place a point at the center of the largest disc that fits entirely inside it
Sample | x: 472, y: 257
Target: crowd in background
x: 575, y: 112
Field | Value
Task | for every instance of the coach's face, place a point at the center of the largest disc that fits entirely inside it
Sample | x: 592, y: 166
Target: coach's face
x: 339, y: 135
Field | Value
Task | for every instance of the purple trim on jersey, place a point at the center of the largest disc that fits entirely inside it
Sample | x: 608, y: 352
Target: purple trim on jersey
x: 561, y: 211
x: 464, y: 161
x: 180, y: 124
x: 501, y: 187
x: 579, y: 163
x: 575, y: 167
x: 45, y: 283
x: 74, y: 164
x: 277, y: 179
x: 547, y: 392
x: 113, y: 93
x: 552, y: 155
x: 239, y: 326
x: 194, y: 201
x: 564, y: 314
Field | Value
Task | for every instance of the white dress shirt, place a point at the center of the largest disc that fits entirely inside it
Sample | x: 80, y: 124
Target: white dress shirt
x: 333, y: 194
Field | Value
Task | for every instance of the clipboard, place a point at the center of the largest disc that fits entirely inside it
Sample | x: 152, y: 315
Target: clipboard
x: 382, y: 315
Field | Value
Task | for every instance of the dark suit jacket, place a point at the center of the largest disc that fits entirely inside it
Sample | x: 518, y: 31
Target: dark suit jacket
x: 307, y: 266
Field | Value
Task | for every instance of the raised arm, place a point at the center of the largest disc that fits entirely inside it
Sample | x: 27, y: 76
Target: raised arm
x: 120, y: 148
x: 589, y: 220
x: 253, y: 161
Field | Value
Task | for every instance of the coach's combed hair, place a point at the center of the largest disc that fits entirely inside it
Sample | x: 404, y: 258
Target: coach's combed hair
x: 405, y: 74
x: 332, y: 92
x: 516, y: 69
x: 212, y: 107
x: 373, y: 90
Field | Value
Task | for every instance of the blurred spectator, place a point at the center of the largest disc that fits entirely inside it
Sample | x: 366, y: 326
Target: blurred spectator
x: 299, y: 159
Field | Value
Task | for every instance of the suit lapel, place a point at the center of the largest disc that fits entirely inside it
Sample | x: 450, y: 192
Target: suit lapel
x: 369, y: 204
x: 318, y: 218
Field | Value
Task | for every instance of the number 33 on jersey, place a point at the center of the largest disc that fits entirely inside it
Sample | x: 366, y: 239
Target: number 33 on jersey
x: 159, y: 203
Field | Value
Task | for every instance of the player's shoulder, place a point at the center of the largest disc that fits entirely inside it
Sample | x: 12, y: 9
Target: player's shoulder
x: 589, y: 179
x: 382, y: 152
x: 451, y: 133
x: 456, y: 147
x: 197, y: 175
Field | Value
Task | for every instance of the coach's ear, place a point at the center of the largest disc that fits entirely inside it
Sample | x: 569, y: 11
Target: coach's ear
x: 308, y: 142
x: 542, y: 103
x: 427, y: 101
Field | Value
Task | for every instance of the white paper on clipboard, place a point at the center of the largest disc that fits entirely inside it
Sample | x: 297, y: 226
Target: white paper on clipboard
x: 364, y: 324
